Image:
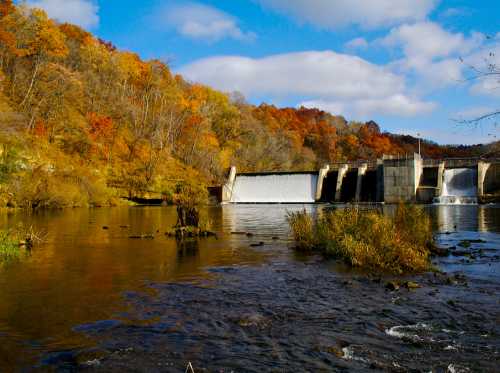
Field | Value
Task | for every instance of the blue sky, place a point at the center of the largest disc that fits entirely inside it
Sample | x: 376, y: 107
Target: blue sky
x: 394, y: 61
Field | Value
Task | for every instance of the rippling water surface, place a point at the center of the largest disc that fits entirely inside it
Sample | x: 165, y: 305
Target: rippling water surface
x: 92, y: 298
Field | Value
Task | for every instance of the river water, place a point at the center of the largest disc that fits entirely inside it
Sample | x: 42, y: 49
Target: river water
x: 91, y: 298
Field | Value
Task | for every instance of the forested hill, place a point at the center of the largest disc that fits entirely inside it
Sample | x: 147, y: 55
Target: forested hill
x: 79, y: 116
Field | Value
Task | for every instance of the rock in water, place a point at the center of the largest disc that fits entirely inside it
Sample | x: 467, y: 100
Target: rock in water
x: 253, y: 320
x: 440, y: 251
x: 465, y: 243
x: 257, y: 244
x: 392, y: 286
x: 411, y: 285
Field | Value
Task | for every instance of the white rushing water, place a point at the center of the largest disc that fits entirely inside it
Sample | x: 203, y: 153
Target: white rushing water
x: 275, y: 188
x: 459, y: 187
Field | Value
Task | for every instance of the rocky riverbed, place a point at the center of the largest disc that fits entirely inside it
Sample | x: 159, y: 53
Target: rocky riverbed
x: 307, y: 314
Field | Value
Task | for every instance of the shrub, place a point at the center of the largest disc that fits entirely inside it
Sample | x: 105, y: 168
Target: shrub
x: 99, y: 194
x: 368, y: 239
x: 48, y: 187
x: 40, y: 189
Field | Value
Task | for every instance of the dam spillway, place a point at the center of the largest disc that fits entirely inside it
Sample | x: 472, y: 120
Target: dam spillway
x: 275, y: 188
x: 459, y: 186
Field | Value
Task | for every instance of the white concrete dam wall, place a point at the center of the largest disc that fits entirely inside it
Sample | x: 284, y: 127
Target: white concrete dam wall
x: 275, y: 188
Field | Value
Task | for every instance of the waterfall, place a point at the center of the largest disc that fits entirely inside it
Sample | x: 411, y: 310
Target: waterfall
x: 275, y: 188
x: 459, y: 187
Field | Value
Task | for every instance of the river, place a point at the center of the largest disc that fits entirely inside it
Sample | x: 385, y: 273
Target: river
x: 92, y: 298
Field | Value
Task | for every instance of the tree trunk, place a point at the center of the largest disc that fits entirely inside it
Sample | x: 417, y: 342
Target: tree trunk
x: 187, y: 217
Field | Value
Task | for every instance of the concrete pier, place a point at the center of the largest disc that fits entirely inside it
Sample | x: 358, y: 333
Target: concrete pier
x: 323, y: 173
x: 482, y: 169
x: 361, y: 172
x: 227, y: 189
x: 440, y: 179
x: 340, y: 178
x: 379, y: 193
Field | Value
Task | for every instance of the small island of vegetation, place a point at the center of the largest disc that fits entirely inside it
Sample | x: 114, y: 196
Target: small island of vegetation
x: 368, y: 239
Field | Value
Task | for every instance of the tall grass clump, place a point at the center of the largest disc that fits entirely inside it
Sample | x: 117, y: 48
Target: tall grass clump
x: 368, y: 239
x: 12, y: 240
x: 9, y: 246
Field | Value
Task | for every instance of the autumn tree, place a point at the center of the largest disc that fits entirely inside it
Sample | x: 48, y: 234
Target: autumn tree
x: 7, y: 36
x: 43, y: 42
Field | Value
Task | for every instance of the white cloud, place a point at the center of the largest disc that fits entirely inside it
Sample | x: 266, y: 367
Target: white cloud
x: 331, y: 14
x: 311, y: 73
x: 487, y: 87
x: 335, y: 82
x: 429, y: 75
x: 83, y: 13
x: 431, y: 52
x: 198, y: 21
x: 428, y: 40
x: 396, y: 105
x: 333, y: 107
x: 399, y: 105
x: 357, y: 43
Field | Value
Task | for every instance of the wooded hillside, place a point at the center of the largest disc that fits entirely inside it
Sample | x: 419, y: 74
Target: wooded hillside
x: 80, y: 120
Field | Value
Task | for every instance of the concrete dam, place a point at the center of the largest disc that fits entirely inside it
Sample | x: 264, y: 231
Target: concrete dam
x: 389, y: 180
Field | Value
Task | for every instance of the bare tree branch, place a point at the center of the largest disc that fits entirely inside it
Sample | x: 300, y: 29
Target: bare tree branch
x: 490, y: 70
x: 480, y: 118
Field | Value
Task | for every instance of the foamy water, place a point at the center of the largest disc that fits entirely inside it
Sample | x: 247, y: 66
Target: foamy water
x: 459, y: 187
